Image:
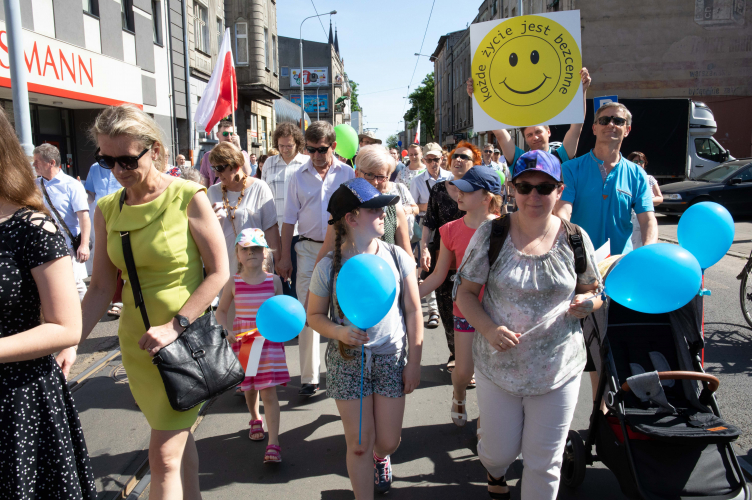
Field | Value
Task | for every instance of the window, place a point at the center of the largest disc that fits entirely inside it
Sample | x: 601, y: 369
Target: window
x: 220, y: 32
x: 126, y: 11
x: 493, y: 9
x: 746, y: 176
x: 241, y: 44
x: 266, y: 48
x: 708, y: 149
x: 156, y: 20
x: 274, y: 53
x: 91, y: 7
x: 201, y: 28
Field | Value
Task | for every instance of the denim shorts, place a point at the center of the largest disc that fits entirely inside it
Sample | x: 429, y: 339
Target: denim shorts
x: 343, y: 375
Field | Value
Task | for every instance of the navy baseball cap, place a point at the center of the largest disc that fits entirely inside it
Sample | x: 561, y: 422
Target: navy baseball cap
x: 357, y: 193
x: 540, y: 161
x: 479, y: 177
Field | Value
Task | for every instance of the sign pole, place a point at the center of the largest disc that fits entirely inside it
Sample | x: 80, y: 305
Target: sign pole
x: 19, y: 84
x: 232, y: 102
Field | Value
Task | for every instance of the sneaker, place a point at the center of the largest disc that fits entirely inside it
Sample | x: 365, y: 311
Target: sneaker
x: 308, y: 390
x: 382, y: 474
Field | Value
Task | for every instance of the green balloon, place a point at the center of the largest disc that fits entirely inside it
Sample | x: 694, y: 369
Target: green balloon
x: 347, y: 141
x: 501, y: 176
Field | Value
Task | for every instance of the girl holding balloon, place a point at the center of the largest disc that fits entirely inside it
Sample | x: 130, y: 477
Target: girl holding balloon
x: 376, y: 335
x: 249, y: 288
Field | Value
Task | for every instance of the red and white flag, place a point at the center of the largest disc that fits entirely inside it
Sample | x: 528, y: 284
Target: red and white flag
x: 417, y: 134
x: 221, y: 95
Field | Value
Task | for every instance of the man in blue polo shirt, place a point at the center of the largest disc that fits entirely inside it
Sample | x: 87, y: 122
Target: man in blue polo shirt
x: 602, y: 187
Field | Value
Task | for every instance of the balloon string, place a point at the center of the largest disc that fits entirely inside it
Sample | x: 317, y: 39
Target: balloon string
x: 360, y: 424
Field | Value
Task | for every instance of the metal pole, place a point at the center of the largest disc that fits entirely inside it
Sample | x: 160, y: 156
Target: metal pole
x: 187, y: 64
x: 232, y: 103
x: 19, y: 85
x: 519, y: 7
x: 318, y: 105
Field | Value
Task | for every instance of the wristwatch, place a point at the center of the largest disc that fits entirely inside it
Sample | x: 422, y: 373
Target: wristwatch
x: 183, y: 321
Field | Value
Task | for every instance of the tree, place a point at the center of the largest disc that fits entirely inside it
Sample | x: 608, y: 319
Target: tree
x: 354, y: 104
x: 422, y: 104
x: 391, y: 142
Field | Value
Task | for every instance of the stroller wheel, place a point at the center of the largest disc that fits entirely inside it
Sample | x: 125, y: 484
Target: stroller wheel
x: 575, y: 462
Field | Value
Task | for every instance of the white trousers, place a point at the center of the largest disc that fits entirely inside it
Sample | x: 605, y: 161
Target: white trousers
x: 308, y: 341
x: 433, y: 308
x: 536, y: 425
x: 79, y: 274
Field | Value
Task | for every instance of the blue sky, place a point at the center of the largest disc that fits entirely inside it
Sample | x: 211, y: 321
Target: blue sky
x: 378, y: 40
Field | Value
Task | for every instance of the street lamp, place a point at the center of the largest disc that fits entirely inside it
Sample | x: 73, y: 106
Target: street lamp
x: 424, y: 55
x: 302, y: 83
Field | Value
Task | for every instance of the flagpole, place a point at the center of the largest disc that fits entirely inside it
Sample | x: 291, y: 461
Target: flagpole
x: 232, y: 102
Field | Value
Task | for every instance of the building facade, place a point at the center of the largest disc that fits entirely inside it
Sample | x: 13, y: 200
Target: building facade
x: 324, y: 79
x: 253, y: 25
x: 82, y: 58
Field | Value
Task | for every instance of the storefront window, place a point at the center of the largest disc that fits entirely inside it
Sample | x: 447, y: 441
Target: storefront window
x: 55, y: 126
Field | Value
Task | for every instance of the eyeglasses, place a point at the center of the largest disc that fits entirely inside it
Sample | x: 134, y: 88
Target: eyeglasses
x: 488, y: 151
x: 220, y: 168
x: 458, y: 156
x: 544, y: 188
x: 126, y: 162
x: 432, y: 160
x: 322, y: 150
x: 227, y: 133
x: 640, y: 162
x: 605, y: 120
x: 379, y: 178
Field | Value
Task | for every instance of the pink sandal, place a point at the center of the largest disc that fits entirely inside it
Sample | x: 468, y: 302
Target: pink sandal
x: 257, y: 427
x: 272, y: 454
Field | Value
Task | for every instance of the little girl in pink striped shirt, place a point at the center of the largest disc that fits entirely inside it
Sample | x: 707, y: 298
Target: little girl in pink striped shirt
x: 249, y: 289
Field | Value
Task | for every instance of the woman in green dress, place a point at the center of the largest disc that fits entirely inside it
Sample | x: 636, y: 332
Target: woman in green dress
x: 174, y: 234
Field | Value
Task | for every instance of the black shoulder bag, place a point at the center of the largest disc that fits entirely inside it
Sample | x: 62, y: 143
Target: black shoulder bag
x: 75, y: 240
x: 199, y: 364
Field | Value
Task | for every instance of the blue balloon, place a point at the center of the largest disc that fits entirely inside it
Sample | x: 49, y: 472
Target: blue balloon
x: 707, y: 231
x: 399, y: 143
x: 366, y: 289
x: 280, y: 318
x: 655, y: 279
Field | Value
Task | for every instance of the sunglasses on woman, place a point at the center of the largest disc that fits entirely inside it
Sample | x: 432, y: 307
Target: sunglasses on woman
x: 220, y: 168
x: 459, y: 156
x: 605, y: 120
x: 322, y: 150
x: 126, y: 162
x: 544, y: 188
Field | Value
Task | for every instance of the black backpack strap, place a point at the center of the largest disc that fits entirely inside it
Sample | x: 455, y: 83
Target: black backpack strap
x: 574, y: 236
x: 499, y: 232
x: 130, y: 266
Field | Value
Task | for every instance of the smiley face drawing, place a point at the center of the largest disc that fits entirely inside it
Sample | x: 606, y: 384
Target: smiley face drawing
x: 526, y: 70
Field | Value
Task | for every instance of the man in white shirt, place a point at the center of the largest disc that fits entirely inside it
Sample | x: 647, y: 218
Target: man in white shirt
x: 277, y: 171
x: 308, y: 195
x: 68, y: 197
x: 420, y: 189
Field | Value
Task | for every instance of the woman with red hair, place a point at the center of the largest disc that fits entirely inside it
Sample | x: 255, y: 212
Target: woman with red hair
x: 442, y: 208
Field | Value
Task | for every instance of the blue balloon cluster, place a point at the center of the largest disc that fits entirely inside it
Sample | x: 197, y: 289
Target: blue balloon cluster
x: 707, y: 231
x: 366, y: 289
x: 280, y: 318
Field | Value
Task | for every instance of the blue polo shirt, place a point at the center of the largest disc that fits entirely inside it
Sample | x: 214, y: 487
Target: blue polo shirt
x: 604, y: 209
x: 101, y: 182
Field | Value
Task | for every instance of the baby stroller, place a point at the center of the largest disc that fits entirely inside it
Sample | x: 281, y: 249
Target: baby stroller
x: 663, y: 436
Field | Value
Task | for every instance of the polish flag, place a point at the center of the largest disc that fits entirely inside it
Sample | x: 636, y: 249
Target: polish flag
x: 417, y: 134
x: 221, y: 95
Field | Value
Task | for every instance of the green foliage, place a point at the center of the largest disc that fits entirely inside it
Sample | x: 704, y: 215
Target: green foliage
x: 354, y: 104
x: 391, y: 142
x: 422, y: 106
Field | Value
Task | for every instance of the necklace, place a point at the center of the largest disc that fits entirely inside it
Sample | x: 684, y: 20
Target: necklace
x: 231, y: 210
x: 548, y: 228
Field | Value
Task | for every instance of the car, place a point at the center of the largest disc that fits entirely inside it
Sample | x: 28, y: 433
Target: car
x: 728, y: 184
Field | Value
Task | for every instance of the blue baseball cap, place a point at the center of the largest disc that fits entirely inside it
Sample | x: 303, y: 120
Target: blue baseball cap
x: 479, y: 177
x: 357, y: 193
x: 540, y: 161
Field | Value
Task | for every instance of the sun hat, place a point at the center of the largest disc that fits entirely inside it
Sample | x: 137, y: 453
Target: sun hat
x: 370, y: 135
x: 432, y: 149
x: 357, y: 193
x: 251, y: 237
x: 540, y: 161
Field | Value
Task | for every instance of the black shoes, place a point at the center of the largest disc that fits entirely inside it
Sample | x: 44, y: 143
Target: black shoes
x: 308, y: 390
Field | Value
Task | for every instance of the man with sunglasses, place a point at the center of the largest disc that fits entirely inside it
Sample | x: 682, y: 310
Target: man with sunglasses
x: 308, y: 194
x: 225, y: 133
x: 603, y: 187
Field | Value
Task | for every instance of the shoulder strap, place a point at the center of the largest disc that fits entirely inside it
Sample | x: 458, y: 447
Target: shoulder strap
x: 393, y: 251
x: 499, y: 233
x: 574, y: 236
x: 130, y: 266
x: 54, y: 210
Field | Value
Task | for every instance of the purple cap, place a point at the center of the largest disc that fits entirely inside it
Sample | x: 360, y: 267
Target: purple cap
x: 541, y: 161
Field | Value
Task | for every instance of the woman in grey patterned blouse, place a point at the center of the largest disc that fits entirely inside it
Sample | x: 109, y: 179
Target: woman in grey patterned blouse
x: 528, y: 351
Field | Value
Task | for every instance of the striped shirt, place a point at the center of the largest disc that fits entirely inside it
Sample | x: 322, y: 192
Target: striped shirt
x: 276, y: 173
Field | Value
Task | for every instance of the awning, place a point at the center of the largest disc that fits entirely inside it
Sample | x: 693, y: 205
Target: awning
x: 288, y: 112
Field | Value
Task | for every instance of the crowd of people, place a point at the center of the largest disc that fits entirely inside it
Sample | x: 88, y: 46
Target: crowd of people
x: 484, y: 236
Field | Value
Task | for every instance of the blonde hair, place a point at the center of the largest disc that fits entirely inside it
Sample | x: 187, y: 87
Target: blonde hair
x: 495, y: 204
x: 340, y: 233
x: 129, y: 121
x: 373, y: 157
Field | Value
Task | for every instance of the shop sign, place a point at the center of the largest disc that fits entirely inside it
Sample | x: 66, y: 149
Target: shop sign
x: 313, y: 77
x: 64, y: 70
x: 313, y: 103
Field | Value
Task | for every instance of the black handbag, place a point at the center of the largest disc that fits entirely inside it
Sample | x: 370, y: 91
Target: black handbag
x: 75, y: 240
x: 200, y: 363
